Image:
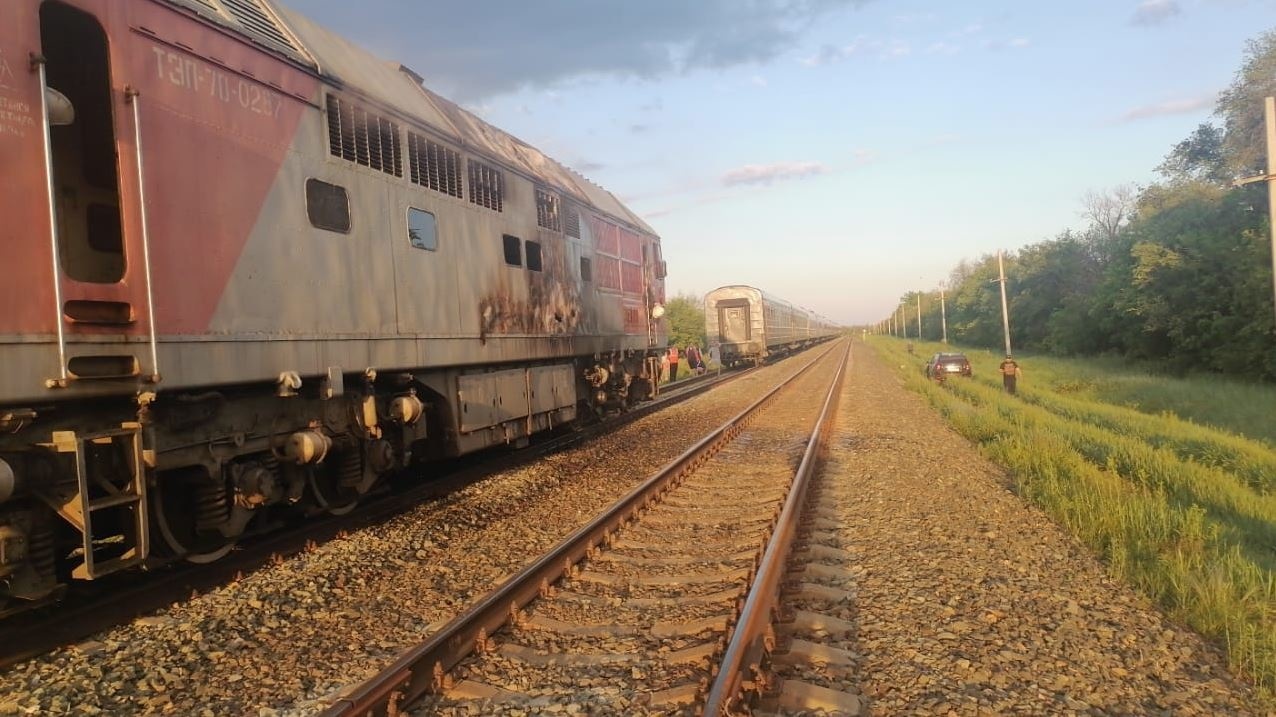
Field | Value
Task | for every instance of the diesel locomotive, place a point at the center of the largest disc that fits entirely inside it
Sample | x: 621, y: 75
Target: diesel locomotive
x: 748, y: 325
x: 250, y: 269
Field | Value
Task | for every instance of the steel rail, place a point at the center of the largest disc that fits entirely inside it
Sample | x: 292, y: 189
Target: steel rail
x: 751, y: 639
x: 423, y: 669
x: 122, y: 598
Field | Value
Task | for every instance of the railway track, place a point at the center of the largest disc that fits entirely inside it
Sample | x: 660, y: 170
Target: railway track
x: 119, y: 599
x: 663, y: 603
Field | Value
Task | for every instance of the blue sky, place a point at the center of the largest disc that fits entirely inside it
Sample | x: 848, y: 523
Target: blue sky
x: 836, y: 153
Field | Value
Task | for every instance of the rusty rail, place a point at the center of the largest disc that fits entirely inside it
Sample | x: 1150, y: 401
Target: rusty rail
x: 125, y: 597
x: 423, y: 669
x: 741, y: 670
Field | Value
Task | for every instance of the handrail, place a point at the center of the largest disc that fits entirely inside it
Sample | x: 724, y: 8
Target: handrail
x: 38, y: 62
x: 749, y: 640
x: 131, y: 96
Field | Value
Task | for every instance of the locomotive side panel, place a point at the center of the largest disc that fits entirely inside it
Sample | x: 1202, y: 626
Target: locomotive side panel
x: 287, y: 314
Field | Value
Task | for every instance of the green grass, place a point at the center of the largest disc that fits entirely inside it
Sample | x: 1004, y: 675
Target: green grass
x: 1228, y: 404
x: 1184, y: 512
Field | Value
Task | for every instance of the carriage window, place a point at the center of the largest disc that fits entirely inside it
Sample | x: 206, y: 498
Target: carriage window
x: 327, y: 206
x: 586, y: 271
x: 533, y: 255
x: 423, y: 232
x: 513, y: 250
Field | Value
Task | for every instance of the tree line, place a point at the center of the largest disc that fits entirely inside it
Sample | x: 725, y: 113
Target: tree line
x: 1177, y: 272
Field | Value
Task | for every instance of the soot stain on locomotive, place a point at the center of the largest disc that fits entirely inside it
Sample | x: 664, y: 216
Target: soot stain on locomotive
x: 552, y: 305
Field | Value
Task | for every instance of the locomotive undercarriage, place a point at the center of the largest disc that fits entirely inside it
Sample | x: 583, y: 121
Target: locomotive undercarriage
x: 617, y: 380
x: 116, y: 484
x: 122, y: 483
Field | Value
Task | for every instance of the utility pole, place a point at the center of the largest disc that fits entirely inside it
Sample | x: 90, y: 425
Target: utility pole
x: 1005, y: 312
x: 943, y: 315
x: 919, y: 316
x: 903, y: 322
x: 1269, y: 114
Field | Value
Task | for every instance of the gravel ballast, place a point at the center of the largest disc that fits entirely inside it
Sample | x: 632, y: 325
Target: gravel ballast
x: 286, y: 637
x: 968, y: 600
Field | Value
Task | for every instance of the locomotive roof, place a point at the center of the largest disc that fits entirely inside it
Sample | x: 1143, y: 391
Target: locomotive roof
x: 349, y: 66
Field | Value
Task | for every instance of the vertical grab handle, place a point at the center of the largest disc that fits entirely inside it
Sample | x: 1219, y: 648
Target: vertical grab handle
x: 37, y: 64
x: 131, y: 96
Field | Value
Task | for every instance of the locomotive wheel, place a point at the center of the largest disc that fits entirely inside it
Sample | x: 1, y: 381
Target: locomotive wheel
x: 175, y: 510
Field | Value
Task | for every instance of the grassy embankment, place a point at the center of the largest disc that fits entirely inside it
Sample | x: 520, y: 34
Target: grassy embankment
x: 1182, y: 511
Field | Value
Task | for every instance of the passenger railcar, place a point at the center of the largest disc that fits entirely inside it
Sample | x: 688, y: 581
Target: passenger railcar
x: 250, y: 268
x: 747, y: 324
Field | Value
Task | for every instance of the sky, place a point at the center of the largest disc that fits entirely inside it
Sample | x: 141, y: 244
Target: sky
x: 835, y: 153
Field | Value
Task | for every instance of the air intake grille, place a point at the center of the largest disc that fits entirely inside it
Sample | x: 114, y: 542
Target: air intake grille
x: 254, y: 18
x: 547, y: 214
x: 486, y: 186
x: 433, y: 165
x: 363, y: 137
x: 571, y: 222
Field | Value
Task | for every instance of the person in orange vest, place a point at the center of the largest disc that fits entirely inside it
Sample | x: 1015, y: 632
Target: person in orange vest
x: 1009, y: 373
x: 673, y: 363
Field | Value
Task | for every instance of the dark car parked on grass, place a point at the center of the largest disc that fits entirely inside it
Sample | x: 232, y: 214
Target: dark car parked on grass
x: 950, y: 364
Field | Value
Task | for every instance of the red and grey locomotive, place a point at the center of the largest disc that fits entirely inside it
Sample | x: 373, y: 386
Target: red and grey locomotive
x: 251, y: 268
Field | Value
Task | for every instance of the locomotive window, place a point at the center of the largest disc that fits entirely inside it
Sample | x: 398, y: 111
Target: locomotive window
x: 513, y: 250
x: 533, y: 255
x: 327, y: 206
x: 586, y: 271
x: 423, y: 231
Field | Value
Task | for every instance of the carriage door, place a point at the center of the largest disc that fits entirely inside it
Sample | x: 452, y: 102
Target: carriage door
x: 97, y: 290
x: 734, y: 325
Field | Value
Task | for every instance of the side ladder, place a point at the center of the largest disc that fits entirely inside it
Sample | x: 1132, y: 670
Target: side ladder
x: 107, y: 506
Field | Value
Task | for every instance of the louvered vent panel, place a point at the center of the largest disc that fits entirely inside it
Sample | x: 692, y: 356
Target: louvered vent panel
x: 362, y: 137
x: 571, y: 222
x: 255, y: 19
x: 434, y: 165
x: 547, y: 214
x: 486, y: 186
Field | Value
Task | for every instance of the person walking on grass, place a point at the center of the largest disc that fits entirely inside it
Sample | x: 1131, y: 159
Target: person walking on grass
x: 1009, y: 374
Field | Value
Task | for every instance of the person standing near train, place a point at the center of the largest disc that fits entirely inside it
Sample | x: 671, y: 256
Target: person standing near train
x: 673, y: 364
x: 1009, y: 374
x: 694, y: 361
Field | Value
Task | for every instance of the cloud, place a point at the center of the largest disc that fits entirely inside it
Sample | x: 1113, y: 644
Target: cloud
x: 1154, y: 12
x: 830, y: 54
x: 464, y: 50
x: 943, y: 48
x: 973, y: 28
x: 1014, y: 43
x: 770, y: 173
x: 1170, y: 107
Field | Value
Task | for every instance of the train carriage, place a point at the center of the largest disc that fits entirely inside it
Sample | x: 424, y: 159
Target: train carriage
x: 251, y: 267
x: 748, y: 325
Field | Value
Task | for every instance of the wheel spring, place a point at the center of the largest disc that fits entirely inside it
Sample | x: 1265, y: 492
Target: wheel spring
x: 211, y: 507
x: 351, y: 468
x: 40, y: 548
